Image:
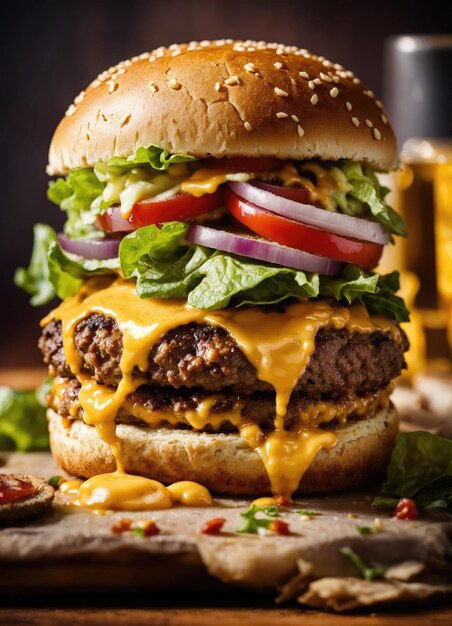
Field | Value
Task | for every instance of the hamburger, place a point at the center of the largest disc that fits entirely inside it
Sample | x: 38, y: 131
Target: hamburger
x: 222, y: 320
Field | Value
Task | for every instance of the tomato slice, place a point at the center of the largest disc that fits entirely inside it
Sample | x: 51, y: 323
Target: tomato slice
x: 302, y: 237
x: 245, y: 164
x: 180, y: 207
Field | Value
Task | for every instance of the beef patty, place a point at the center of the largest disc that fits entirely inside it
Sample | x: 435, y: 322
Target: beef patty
x: 199, y: 355
x: 258, y: 407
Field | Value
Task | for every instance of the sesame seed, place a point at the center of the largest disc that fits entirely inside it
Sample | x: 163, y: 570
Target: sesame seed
x: 232, y: 80
x: 248, y: 126
x: 336, y: 79
x: 278, y: 65
x: 280, y: 92
x: 176, y: 53
x: 295, y: 118
x: 174, y: 84
x: 379, y: 104
x: 325, y: 77
x: 311, y: 84
x: 314, y: 99
x: 378, y: 524
x: 293, y: 81
x: 356, y: 81
x: 348, y: 106
x: 317, y: 81
x: 300, y: 131
x: 121, y: 71
x: 368, y: 123
x: 79, y: 98
x: 304, y: 74
x: 249, y: 67
x: 369, y: 93
x: 143, y: 56
x: 383, y: 118
x: 153, y: 86
x: 217, y: 86
x: 376, y: 133
x: 355, y: 121
x: 334, y: 92
x: 112, y: 86
x: 70, y: 110
x: 152, y: 58
x: 281, y: 114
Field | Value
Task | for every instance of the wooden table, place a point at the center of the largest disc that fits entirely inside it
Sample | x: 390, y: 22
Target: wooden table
x: 228, y: 607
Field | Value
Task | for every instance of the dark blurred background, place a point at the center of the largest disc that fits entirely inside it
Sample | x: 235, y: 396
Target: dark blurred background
x: 52, y: 50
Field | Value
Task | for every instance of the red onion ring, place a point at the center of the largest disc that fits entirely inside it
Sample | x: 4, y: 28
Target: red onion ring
x: 262, y: 250
x: 356, y: 227
x: 90, y: 248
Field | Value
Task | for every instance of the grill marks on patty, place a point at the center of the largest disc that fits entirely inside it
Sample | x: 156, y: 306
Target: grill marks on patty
x: 207, y: 357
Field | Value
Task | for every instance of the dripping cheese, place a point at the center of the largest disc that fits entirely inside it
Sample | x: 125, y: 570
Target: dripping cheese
x: 279, y: 346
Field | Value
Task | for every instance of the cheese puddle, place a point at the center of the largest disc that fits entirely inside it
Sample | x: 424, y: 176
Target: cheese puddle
x: 279, y: 345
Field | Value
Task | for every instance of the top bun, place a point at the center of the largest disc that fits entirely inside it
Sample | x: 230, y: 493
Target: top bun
x: 225, y: 98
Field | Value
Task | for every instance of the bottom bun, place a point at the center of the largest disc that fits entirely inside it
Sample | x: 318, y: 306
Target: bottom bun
x: 223, y: 462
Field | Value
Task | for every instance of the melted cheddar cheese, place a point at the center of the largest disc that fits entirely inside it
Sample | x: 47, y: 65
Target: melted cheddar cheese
x: 279, y: 345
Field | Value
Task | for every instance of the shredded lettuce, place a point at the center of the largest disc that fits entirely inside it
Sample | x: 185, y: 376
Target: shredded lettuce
x: 52, y: 272
x: 75, y: 194
x: 81, y: 193
x: 23, y: 424
x: 421, y: 469
x: 154, y: 156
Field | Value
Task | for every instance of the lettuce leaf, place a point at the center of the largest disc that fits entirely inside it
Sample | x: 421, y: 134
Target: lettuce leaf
x: 367, y: 190
x: 80, y: 193
x: 154, y: 156
x: 75, y: 195
x: 420, y: 468
x: 375, y: 291
x: 165, y: 266
x: 52, y: 272
x: 23, y: 424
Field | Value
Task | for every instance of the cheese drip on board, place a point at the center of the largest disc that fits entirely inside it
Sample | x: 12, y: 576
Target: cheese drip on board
x: 279, y: 345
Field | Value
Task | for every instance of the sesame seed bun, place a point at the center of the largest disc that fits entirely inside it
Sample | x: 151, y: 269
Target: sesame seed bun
x: 223, y: 99
x: 223, y: 462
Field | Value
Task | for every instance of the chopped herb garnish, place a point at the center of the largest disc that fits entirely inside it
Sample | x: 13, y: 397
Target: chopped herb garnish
x: 139, y: 532
x: 368, y: 573
x: 385, y: 503
x: 54, y: 481
x: 251, y: 522
x: 307, y: 513
x: 364, y: 530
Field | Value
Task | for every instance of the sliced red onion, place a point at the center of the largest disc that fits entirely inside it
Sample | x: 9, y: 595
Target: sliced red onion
x: 262, y: 250
x: 356, y: 227
x: 90, y: 248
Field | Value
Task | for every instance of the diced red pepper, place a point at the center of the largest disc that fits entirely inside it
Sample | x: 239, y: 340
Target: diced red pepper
x: 213, y: 526
x: 406, y: 509
x: 149, y: 528
x: 14, y: 489
x: 121, y: 525
x: 279, y: 527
